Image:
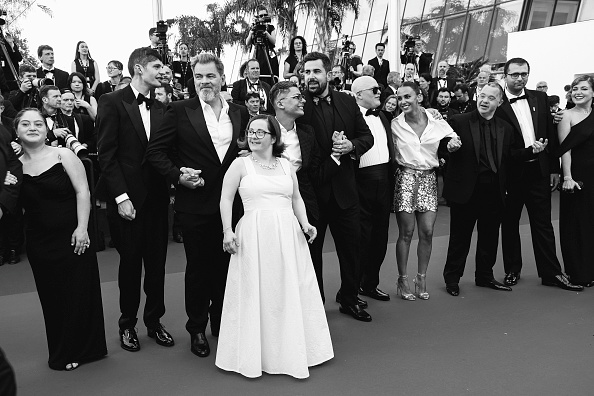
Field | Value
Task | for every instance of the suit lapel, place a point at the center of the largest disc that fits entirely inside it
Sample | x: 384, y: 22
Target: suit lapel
x: 499, y: 136
x: 341, y: 108
x: 532, y: 102
x: 131, y: 106
x: 511, y: 116
x: 196, y: 117
x: 475, y: 132
x: 304, y: 144
x: 235, y: 116
x: 388, y: 129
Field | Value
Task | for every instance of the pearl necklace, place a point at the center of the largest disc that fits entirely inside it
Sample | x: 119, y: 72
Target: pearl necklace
x: 264, y: 166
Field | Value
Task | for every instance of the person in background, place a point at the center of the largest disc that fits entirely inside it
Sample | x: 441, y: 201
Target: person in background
x: 297, y: 50
x: 463, y: 102
x: 84, y: 64
x: 84, y: 103
x: 390, y: 106
x: 554, y: 104
x: 47, y: 69
x: 252, y: 103
x: 542, y: 86
x: 182, y: 71
x: 430, y: 93
x: 381, y: 66
x: 393, y: 80
x: 114, y: 72
x: 27, y: 94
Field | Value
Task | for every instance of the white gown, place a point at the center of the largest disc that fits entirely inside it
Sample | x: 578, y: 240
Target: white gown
x: 273, y: 317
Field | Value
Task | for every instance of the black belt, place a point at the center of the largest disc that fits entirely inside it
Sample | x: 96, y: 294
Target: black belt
x: 374, y: 172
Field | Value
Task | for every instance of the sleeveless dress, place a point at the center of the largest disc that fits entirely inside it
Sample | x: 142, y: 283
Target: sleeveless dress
x: 68, y: 284
x: 273, y: 317
x: 87, y: 71
x: 576, y: 211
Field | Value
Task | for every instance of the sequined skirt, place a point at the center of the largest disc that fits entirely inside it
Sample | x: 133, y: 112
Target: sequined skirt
x: 415, y: 191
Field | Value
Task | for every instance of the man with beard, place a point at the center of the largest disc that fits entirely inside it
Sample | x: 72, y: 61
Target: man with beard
x: 444, y: 98
x: 164, y: 93
x: 343, y: 137
x: 194, y: 148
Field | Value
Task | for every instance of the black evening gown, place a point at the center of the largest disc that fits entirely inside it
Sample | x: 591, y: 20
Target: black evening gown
x: 68, y: 284
x: 576, y: 214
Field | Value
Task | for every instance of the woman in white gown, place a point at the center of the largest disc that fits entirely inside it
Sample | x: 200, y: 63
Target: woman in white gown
x: 273, y: 317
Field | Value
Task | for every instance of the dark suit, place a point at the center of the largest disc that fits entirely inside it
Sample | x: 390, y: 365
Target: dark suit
x: 86, y: 130
x: 309, y: 151
x: 122, y: 142
x: 530, y: 186
x: 60, y: 77
x: 336, y: 187
x: 475, y: 198
x: 10, y: 193
x: 381, y: 72
x: 387, y: 92
x: 450, y: 83
x: 240, y: 91
x: 184, y: 141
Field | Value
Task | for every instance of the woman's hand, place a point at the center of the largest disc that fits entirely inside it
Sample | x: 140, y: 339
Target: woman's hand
x: 10, y: 179
x: 310, y: 231
x: 80, y: 240
x: 230, y: 243
x: 81, y: 103
x: 570, y: 185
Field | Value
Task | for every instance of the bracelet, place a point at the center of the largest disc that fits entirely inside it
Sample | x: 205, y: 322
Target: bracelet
x: 228, y: 228
x: 566, y: 178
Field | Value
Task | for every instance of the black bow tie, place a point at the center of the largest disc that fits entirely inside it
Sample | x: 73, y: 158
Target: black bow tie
x: 45, y: 71
x: 149, y: 102
x: 327, y: 98
x: 514, y: 100
x: 373, y: 112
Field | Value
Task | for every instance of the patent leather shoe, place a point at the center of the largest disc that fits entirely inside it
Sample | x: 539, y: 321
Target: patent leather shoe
x: 199, y: 345
x: 376, y: 294
x: 562, y: 282
x: 492, y: 284
x: 453, y: 289
x: 13, y: 257
x: 511, y: 279
x: 160, y: 335
x: 362, y: 303
x: 129, y: 340
x: 356, y: 312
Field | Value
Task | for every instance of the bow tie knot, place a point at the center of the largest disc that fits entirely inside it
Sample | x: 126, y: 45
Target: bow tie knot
x: 143, y: 99
x: 372, y: 112
x: 514, y: 100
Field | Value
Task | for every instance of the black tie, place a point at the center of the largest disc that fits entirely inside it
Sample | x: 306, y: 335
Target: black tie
x: 488, y: 149
x: 141, y: 98
x: 45, y: 71
x: 514, y: 100
x: 373, y: 112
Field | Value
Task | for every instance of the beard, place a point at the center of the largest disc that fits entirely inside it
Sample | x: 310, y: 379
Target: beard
x: 208, y: 94
x: 319, y: 89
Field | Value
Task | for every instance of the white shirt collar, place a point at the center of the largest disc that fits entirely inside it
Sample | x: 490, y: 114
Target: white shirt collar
x: 223, y: 102
x: 283, y: 129
x: 511, y: 95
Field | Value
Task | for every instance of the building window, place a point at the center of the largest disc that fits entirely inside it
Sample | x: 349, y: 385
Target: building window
x: 544, y: 13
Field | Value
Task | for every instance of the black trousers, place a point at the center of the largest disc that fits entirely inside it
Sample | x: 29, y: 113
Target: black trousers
x: 7, y: 381
x: 484, y: 209
x: 206, y: 270
x: 346, y: 231
x: 375, y: 193
x: 532, y: 190
x: 142, y: 240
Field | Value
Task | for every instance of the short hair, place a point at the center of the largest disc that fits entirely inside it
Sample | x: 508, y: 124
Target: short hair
x: 205, y: 59
x: 142, y: 56
x: 44, y: 90
x: 247, y: 62
x: 26, y: 68
x: 461, y: 87
x: 427, y: 77
x: 274, y: 128
x: 20, y: 114
x: 411, y: 84
x: 252, y: 95
x: 280, y: 88
x: 292, y: 46
x: 515, y: 61
x: 117, y: 64
x: 368, y: 70
x: 494, y: 84
x: 380, y: 45
x: 342, y: 69
x: 168, y: 88
x: 444, y: 89
x: 42, y: 48
x: 553, y: 100
x: 393, y: 77
x: 82, y: 79
x: 583, y: 77
x: 152, y: 31
x: 314, y: 56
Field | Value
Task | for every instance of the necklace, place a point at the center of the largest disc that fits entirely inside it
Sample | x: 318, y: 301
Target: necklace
x: 264, y: 166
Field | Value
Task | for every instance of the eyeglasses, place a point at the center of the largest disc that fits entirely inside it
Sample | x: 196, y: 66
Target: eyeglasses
x: 299, y: 97
x: 541, y: 86
x: 111, y: 68
x: 515, y: 76
x: 375, y: 90
x: 260, y: 133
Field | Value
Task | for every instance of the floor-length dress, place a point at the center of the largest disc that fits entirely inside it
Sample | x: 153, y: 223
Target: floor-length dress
x: 68, y: 284
x: 576, y: 211
x: 273, y: 317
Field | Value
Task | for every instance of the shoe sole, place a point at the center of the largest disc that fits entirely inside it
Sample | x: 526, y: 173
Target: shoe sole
x: 346, y: 312
x: 199, y: 355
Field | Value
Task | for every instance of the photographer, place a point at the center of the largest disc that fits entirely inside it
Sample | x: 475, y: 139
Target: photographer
x: 413, y: 53
x: 47, y: 69
x: 81, y: 125
x: 15, y: 57
x: 263, y: 36
x: 356, y: 64
x: 26, y: 95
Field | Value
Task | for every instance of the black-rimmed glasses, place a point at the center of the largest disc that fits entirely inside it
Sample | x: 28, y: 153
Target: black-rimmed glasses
x: 259, y: 133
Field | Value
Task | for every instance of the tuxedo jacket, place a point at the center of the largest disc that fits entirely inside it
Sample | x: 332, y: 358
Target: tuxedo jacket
x: 386, y: 122
x: 86, y: 130
x: 463, y: 165
x: 381, y: 72
x: 240, y: 90
x: 543, y: 129
x: 60, y: 77
x: 309, y: 151
x: 183, y: 140
x: 122, y: 142
x: 450, y: 83
x: 388, y: 91
x: 327, y: 176
x: 9, y: 162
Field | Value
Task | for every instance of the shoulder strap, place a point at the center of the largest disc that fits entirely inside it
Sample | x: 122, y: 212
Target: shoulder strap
x: 249, y: 165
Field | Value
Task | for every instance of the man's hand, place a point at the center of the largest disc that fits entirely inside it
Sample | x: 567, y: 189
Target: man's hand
x: 454, y: 144
x: 17, y: 148
x: 539, y: 145
x: 190, y: 178
x: 61, y: 132
x: 558, y: 116
x: 555, y: 179
x: 435, y: 114
x: 341, y: 145
x: 10, y: 179
x: 26, y: 86
x: 126, y: 210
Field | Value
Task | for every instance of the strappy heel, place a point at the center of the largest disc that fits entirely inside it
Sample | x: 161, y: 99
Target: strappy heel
x: 403, y: 289
x: 420, y: 282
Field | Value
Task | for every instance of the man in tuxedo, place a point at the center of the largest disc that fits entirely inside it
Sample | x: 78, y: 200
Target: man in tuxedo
x: 343, y: 137
x: 136, y: 196
x: 422, y: 59
x: 47, y: 69
x: 393, y: 80
x: 252, y: 83
x: 338, y: 78
x: 475, y: 183
x: 381, y: 66
x: 442, y: 80
x: 481, y: 80
x: 375, y: 184
x: 153, y: 38
x: 531, y: 179
x: 252, y: 103
x: 80, y: 125
x: 164, y: 94
x: 194, y: 147
x: 463, y: 103
x: 27, y: 94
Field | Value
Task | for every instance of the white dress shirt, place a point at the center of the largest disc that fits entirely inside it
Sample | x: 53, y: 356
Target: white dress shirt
x: 521, y: 109
x: 416, y: 152
x: 378, y: 153
x: 292, y: 147
x: 220, y: 130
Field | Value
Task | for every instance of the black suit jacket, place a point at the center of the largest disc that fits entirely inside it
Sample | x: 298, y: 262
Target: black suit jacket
x: 381, y: 72
x: 543, y: 129
x: 60, y: 77
x: 309, y: 151
x: 463, y: 165
x: 240, y: 90
x: 86, y: 130
x: 9, y: 162
x: 450, y: 83
x: 385, y: 93
x: 184, y: 141
x: 122, y: 142
x: 328, y: 177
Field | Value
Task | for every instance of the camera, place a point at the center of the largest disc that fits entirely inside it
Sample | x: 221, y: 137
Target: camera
x: 346, y: 46
x: 75, y: 146
x: 40, y: 82
x: 2, y: 17
x: 409, y: 45
x: 336, y: 83
x: 161, y: 32
x: 259, y: 28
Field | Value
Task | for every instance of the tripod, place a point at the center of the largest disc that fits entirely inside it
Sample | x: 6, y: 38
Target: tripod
x: 345, y: 63
x: 264, y: 48
x: 6, y: 56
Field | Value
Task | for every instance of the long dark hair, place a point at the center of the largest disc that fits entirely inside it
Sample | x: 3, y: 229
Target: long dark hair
x: 292, y: 46
x: 274, y: 128
x: 82, y: 79
x: 77, y: 54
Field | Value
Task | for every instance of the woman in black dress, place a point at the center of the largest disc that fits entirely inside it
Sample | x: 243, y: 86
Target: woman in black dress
x: 84, y: 103
x: 56, y: 199
x: 84, y: 64
x: 576, y: 214
x: 114, y: 72
x: 297, y: 50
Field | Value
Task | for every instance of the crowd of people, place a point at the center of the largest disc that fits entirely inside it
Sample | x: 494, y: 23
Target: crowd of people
x: 260, y: 174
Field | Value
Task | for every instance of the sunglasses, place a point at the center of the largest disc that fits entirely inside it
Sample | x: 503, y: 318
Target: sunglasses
x: 375, y: 90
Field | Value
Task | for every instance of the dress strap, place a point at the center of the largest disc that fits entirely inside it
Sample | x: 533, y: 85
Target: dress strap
x: 249, y: 165
x: 286, y: 166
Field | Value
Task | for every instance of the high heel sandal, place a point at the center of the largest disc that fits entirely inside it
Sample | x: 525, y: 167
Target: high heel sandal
x: 421, y: 286
x: 403, y: 288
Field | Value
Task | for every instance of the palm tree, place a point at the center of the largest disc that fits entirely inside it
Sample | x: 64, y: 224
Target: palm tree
x: 329, y: 15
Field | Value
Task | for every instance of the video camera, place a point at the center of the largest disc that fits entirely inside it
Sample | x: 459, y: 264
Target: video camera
x: 259, y: 28
x: 161, y: 32
x: 2, y: 19
x: 346, y: 46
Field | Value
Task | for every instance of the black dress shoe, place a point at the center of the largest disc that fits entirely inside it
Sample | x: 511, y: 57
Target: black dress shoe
x: 160, y: 335
x: 563, y: 282
x: 362, y: 303
x: 199, y: 345
x: 178, y: 237
x: 453, y: 289
x: 492, y: 284
x: 511, y: 279
x: 356, y: 312
x: 376, y: 294
x: 129, y: 340
x: 13, y: 257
